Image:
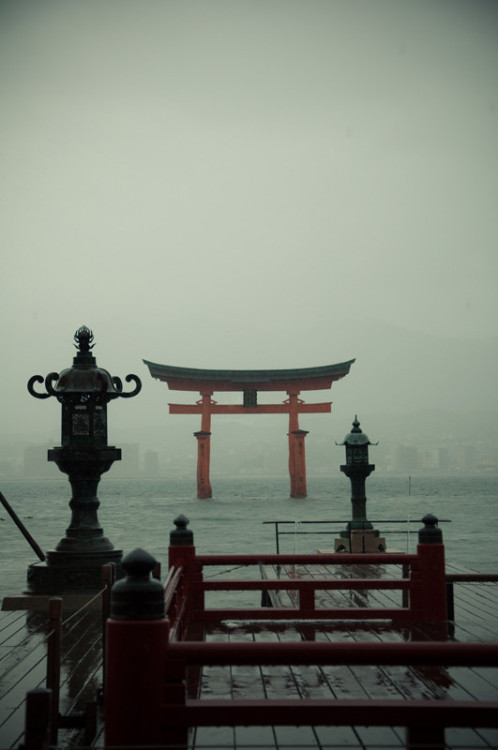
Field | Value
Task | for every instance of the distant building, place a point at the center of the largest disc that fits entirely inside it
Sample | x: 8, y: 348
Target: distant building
x: 466, y: 457
x: 443, y: 460
x: 406, y: 458
x: 151, y: 463
x: 129, y: 465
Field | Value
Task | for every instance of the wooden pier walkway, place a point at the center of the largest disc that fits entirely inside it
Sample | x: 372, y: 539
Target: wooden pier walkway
x: 23, y: 651
x: 23, y: 667
x: 476, y: 620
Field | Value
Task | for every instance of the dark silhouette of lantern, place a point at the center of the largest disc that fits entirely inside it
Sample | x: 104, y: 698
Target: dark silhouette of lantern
x: 83, y: 390
x: 360, y: 536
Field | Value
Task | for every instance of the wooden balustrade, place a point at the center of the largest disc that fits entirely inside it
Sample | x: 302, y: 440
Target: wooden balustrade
x: 146, y: 698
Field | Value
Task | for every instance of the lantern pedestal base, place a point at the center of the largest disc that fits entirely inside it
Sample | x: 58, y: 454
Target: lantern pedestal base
x: 66, y: 573
x: 360, y: 540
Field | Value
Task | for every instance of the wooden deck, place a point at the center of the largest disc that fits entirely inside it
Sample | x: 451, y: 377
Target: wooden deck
x: 23, y: 667
x: 476, y: 605
x: 476, y: 618
x: 23, y: 650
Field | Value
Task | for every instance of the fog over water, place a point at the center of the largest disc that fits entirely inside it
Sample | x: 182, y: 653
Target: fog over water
x: 252, y: 184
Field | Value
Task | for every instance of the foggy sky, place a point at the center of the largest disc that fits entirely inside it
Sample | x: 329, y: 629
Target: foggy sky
x: 246, y: 184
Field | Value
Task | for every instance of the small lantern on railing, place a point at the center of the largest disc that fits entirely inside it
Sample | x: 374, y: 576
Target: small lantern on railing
x: 360, y: 532
x: 83, y: 390
x: 356, y: 443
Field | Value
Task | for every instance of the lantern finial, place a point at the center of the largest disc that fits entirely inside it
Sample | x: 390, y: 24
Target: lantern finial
x: 83, y: 338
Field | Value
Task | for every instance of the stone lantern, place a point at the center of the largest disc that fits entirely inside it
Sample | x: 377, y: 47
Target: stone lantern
x: 359, y: 536
x: 83, y: 390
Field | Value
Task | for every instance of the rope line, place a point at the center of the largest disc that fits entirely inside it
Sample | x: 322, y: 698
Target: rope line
x: 21, y: 678
x: 26, y: 655
x: 84, y: 606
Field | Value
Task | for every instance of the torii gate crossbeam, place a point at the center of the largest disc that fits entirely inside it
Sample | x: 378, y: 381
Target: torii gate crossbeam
x: 249, y: 382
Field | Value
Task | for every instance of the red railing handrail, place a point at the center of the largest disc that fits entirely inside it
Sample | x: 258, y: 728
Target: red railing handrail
x: 331, y: 711
x: 304, y: 584
x: 472, y: 577
x: 383, y: 558
x: 440, y: 653
x: 336, y: 712
x: 421, y: 581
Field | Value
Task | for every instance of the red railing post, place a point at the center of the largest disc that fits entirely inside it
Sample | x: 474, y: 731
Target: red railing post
x: 37, y: 725
x: 108, y: 580
x: 54, y: 662
x: 175, y: 696
x: 181, y: 554
x: 306, y: 602
x: 418, y: 738
x: 428, y: 593
x: 137, y: 639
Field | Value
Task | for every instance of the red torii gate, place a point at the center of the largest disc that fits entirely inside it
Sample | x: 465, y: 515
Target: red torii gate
x: 249, y: 382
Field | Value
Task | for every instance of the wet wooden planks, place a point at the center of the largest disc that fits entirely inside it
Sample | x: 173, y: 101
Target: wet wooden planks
x: 476, y: 609
x: 23, y: 667
x: 476, y: 615
x: 336, y: 682
x: 476, y: 604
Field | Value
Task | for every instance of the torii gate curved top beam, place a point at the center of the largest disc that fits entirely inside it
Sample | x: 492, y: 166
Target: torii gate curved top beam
x: 304, y: 378
x: 292, y: 381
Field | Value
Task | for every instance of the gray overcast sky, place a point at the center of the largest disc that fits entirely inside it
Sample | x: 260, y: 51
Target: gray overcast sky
x: 243, y: 183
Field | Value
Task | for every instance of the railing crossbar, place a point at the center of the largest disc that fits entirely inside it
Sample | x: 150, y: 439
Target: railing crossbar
x: 272, y: 712
x: 306, y: 584
x: 333, y: 558
x: 444, y: 653
x: 373, y: 520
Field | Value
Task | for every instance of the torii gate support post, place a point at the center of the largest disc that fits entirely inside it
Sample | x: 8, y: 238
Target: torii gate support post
x: 203, y: 457
x: 297, y: 463
x: 204, y: 445
x: 297, y: 456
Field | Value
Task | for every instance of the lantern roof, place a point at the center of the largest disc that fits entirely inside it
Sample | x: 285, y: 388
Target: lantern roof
x: 356, y: 436
x: 84, y: 377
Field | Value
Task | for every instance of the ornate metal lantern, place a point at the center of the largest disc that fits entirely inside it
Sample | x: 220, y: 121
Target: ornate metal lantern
x: 83, y: 390
x: 357, y: 443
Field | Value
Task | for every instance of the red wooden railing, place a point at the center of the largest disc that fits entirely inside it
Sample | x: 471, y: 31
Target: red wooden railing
x: 146, y: 697
x: 424, y: 584
x: 178, y: 712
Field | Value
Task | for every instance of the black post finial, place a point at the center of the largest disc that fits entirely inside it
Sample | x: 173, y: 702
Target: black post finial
x: 181, y: 536
x: 137, y: 597
x: 430, y: 533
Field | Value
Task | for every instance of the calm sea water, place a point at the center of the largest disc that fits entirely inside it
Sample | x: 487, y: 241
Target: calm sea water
x: 140, y: 513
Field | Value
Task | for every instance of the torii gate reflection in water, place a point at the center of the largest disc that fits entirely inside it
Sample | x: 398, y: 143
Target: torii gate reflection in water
x: 249, y: 382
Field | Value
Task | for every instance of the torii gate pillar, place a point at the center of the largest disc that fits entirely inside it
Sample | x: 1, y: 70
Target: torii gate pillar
x: 203, y: 457
x: 297, y: 463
